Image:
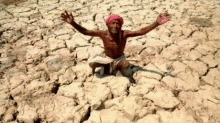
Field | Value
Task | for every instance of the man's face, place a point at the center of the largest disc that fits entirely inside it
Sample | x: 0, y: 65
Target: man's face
x: 114, y: 26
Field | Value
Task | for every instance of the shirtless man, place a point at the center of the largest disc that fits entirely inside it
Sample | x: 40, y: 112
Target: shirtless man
x: 114, y: 39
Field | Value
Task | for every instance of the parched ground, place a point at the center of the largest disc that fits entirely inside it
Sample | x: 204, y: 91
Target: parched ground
x: 45, y: 78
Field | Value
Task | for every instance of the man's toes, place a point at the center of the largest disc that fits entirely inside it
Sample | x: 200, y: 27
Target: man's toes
x: 119, y: 74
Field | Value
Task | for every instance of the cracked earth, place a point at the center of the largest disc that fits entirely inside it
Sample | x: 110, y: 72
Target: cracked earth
x: 45, y: 77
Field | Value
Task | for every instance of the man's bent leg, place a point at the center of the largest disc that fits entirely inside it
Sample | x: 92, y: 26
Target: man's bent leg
x: 124, y: 67
x: 123, y: 64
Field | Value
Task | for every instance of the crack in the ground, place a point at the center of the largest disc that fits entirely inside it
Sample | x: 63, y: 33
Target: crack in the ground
x: 171, y: 109
x: 142, y: 50
x: 1, y: 117
x: 112, y: 95
x: 127, y: 90
x: 87, y: 115
x: 200, y: 78
x: 15, y: 114
x: 207, y: 71
x: 167, y: 109
x: 176, y: 93
x: 94, y: 16
x: 9, y: 12
x: 55, y: 88
x: 190, y: 35
x: 194, y: 47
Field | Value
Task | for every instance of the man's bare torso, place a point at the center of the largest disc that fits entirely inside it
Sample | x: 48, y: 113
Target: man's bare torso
x: 114, y: 47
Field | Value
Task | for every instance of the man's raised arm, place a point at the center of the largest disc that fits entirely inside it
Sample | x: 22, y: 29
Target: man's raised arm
x: 161, y: 19
x: 69, y: 19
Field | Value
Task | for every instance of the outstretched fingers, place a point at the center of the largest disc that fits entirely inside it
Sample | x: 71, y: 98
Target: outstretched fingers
x: 66, y: 13
x: 63, y: 15
x: 168, y: 17
x: 71, y: 14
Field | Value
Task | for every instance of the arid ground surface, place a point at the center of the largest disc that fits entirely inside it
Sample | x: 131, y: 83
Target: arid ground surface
x: 45, y: 77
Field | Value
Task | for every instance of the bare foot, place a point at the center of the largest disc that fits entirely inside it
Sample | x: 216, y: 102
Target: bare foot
x: 102, y: 71
x: 119, y: 74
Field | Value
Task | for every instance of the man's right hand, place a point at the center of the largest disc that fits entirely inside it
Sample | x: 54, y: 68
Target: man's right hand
x: 67, y: 17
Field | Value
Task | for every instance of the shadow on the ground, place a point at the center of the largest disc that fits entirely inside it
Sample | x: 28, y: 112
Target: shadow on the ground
x: 130, y: 77
x: 153, y: 71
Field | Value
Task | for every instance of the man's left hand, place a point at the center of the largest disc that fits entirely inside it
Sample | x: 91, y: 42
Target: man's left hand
x: 163, y: 18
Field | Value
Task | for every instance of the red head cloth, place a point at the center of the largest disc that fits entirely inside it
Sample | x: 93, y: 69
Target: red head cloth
x: 113, y: 17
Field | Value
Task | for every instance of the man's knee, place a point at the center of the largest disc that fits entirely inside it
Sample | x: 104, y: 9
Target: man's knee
x: 124, y: 64
x: 92, y: 64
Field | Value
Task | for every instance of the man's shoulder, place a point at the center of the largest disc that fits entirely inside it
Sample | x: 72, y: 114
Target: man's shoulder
x: 125, y: 32
x: 104, y: 32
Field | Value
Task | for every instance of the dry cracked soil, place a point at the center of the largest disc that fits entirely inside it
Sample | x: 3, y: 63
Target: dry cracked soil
x: 45, y: 77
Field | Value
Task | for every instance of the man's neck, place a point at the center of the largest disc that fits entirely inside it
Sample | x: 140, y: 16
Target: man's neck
x: 114, y: 35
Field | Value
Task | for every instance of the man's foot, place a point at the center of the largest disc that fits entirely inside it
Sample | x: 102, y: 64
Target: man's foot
x: 94, y: 65
x: 102, y: 70
x: 119, y: 74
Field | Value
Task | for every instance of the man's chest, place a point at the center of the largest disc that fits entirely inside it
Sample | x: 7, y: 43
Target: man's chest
x: 114, y: 43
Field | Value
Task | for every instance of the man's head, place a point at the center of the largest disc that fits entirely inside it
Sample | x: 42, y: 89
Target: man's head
x: 114, y: 23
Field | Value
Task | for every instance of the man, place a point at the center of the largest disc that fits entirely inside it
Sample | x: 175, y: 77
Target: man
x: 114, y: 40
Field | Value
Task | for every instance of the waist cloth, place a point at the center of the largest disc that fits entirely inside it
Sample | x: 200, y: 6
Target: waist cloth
x: 104, y: 59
